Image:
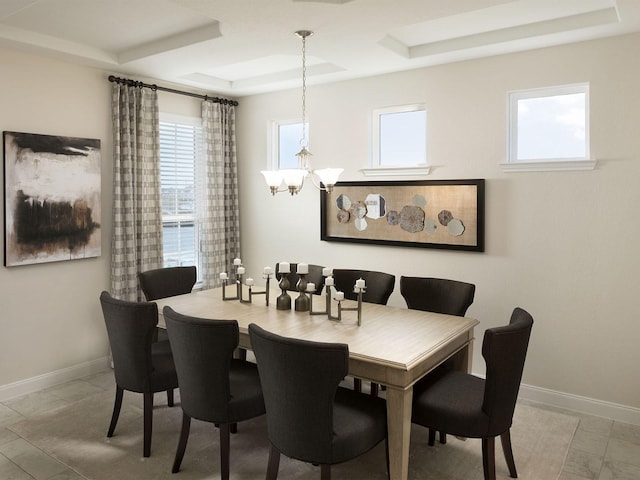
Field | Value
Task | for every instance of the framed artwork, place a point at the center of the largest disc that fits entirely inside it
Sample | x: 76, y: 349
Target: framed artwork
x: 446, y: 214
x: 51, y: 198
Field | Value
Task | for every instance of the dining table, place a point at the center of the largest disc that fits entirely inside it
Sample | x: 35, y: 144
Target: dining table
x: 392, y: 346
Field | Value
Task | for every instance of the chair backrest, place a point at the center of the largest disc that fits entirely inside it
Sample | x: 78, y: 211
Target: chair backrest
x: 130, y: 327
x: 314, y: 276
x: 504, y: 350
x: 202, y: 353
x: 299, y: 380
x: 379, y: 285
x: 167, y: 282
x: 438, y: 295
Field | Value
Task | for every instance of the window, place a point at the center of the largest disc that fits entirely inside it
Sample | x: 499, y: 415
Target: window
x: 549, y: 125
x: 181, y: 150
x: 286, y: 136
x: 398, y: 140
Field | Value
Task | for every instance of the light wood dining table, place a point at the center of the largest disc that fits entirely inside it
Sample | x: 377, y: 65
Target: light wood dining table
x: 393, y: 346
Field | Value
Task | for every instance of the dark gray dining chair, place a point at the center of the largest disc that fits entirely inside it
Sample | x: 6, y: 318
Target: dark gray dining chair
x: 379, y: 287
x: 214, y: 387
x: 314, y: 276
x: 309, y: 417
x: 139, y: 364
x: 438, y: 295
x: 468, y: 406
x: 167, y: 282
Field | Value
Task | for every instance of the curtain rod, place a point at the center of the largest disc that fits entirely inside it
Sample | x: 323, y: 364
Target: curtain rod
x: 135, y: 83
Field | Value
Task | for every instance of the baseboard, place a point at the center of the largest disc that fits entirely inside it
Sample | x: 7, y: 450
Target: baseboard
x: 591, y: 406
x: 51, y: 379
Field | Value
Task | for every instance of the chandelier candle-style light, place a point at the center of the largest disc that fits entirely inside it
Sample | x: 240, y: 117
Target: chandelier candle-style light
x: 293, y: 178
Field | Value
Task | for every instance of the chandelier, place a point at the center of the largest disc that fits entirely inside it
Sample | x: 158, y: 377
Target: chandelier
x: 293, y: 178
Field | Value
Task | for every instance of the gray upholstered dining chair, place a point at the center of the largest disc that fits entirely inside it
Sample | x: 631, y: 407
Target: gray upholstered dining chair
x: 167, y: 282
x: 139, y: 364
x: 468, y: 406
x: 309, y: 417
x: 214, y: 387
x: 379, y: 287
x: 314, y: 276
x: 439, y: 295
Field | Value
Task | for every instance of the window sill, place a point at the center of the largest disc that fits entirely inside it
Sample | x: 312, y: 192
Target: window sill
x: 413, y: 171
x: 560, y: 166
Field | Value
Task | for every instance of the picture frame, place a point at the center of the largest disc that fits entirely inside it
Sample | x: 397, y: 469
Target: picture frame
x: 52, y: 195
x: 442, y: 214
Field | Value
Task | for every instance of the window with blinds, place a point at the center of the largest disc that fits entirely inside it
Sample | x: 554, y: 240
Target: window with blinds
x: 180, y: 151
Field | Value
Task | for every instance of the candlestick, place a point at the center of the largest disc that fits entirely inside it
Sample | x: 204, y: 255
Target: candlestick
x: 249, y: 282
x: 241, y: 270
x: 267, y: 271
x: 302, y: 302
x: 283, y: 302
x: 327, y: 271
x: 302, y: 269
x: 237, y: 261
x: 360, y: 283
x: 224, y: 276
x: 329, y: 281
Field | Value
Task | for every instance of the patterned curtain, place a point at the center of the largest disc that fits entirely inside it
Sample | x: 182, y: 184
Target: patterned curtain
x: 137, y: 216
x: 219, y: 193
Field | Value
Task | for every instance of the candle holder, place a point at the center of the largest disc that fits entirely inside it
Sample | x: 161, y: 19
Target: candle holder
x: 252, y: 292
x: 283, y: 302
x: 327, y: 308
x: 360, y: 291
x: 302, y: 303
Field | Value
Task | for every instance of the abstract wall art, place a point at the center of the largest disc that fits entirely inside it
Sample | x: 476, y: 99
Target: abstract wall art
x: 446, y: 214
x: 52, y: 193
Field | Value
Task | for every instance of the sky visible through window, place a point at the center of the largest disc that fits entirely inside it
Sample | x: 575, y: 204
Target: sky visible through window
x: 552, y: 127
x: 402, y: 138
x: 289, y: 137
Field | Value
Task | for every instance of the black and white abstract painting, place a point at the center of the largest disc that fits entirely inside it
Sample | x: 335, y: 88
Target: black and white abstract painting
x: 51, y: 198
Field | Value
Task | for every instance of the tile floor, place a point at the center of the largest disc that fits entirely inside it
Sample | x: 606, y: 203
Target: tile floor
x: 601, y: 449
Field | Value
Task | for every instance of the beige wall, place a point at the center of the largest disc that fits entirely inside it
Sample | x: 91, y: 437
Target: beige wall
x: 562, y: 245
x: 50, y: 317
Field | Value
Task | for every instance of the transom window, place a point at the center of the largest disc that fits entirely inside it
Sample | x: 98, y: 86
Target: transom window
x: 549, y: 124
x: 399, y: 136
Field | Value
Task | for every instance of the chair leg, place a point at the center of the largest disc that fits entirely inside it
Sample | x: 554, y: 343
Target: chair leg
x: 274, y: 463
x: 443, y: 438
x: 148, y: 423
x: 117, y: 404
x: 170, y: 397
x: 182, y: 443
x: 505, y: 438
x: 357, y: 384
x: 489, y: 458
x: 325, y: 472
x: 233, y: 427
x: 432, y: 437
x: 375, y: 389
x: 225, y: 440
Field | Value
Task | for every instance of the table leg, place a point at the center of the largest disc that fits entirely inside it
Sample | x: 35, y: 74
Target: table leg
x: 399, y: 430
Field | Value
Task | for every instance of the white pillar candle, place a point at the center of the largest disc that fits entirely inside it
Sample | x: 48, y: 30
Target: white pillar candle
x: 249, y: 282
x: 237, y: 261
x: 267, y: 270
x: 302, y: 268
x: 360, y: 283
x: 328, y: 281
x: 311, y: 287
x: 326, y: 271
x: 339, y: 296
x: 241, y: 270
x: 284, y: 267
x: 224, y: 276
